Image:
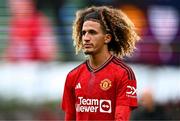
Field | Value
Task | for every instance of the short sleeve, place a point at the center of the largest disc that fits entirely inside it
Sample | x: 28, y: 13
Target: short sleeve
x: 126, y: 92
x: 68, y: 99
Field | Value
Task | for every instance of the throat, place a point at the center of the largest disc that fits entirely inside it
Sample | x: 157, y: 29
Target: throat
x: 97, y: 62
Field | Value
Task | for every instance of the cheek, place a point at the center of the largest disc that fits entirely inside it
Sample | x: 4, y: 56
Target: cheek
x: 100, y: 42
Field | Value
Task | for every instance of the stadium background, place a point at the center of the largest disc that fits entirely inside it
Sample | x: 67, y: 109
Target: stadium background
x: 32, y: 90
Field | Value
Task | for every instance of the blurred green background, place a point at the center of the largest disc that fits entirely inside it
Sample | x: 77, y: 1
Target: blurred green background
x: 31, y: 88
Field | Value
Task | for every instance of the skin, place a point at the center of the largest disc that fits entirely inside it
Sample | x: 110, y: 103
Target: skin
x: 21, y: 8
x: 147, y: 100
x: 95, y: 42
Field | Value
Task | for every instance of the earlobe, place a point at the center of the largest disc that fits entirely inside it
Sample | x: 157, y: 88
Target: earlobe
x: 107, y: 41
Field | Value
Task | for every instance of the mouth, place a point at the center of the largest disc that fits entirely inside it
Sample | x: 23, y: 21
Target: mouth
x: 87, y: 46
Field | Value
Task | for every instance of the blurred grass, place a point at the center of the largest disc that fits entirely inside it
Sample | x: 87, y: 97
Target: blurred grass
x: 15, y: 109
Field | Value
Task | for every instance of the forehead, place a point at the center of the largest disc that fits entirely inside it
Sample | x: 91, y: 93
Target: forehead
x: 90, y: 24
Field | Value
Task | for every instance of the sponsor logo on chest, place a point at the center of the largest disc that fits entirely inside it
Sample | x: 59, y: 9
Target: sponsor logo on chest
x: 93, y: 105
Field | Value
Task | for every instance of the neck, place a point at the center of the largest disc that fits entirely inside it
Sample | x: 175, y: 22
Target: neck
x: 98, y: 59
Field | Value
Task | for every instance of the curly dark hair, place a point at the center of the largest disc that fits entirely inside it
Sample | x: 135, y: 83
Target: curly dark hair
x: 116, y: 23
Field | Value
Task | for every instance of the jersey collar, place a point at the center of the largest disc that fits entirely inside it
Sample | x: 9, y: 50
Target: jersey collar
x: 100, y: 67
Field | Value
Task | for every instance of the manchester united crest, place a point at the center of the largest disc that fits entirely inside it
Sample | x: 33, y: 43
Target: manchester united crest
x: 105, y: 84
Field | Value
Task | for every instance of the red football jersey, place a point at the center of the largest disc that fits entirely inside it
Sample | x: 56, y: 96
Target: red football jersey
x: 94, y: 94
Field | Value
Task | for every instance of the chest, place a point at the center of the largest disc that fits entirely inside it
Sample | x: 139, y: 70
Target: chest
x: 96, y: 85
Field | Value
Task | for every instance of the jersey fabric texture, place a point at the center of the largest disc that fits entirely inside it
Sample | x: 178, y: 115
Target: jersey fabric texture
x: 94, y: 94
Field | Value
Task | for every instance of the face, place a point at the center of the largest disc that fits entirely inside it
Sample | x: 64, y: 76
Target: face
x: 93, y: 38
x: 21, y: 8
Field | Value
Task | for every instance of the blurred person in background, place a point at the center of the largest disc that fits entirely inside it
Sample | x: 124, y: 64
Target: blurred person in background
x: 103, y: 87
x: 148, y: 110
x: 30, y: 34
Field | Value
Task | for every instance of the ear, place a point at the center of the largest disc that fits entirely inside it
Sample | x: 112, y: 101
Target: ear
x: 108, y: 38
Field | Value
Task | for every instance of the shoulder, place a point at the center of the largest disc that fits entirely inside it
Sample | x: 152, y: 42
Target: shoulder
x: 123, y: 67
x: 77, y: 69
x: 42, y: 19
x: 73, y: 74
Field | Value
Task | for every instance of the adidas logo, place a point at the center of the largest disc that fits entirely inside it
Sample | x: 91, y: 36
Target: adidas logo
x: 78, y: 86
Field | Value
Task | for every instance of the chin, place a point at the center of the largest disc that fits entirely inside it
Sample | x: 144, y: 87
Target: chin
x: 86, y: 52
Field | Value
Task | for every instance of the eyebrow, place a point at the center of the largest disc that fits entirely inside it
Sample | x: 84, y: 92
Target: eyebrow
x: 89, y: 30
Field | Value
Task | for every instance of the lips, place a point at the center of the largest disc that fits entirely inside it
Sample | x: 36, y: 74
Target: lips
x: 87, y: 45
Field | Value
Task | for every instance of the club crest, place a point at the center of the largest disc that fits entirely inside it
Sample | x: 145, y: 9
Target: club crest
x: 105, y: 84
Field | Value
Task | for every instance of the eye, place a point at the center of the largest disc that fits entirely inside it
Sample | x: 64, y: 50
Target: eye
x: 83, y: 32
x: 92, y: 32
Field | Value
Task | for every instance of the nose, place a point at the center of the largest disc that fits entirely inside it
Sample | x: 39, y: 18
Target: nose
x: 86, y: 37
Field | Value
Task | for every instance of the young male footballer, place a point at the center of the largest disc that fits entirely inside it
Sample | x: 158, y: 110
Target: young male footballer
x: 103, y: 87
